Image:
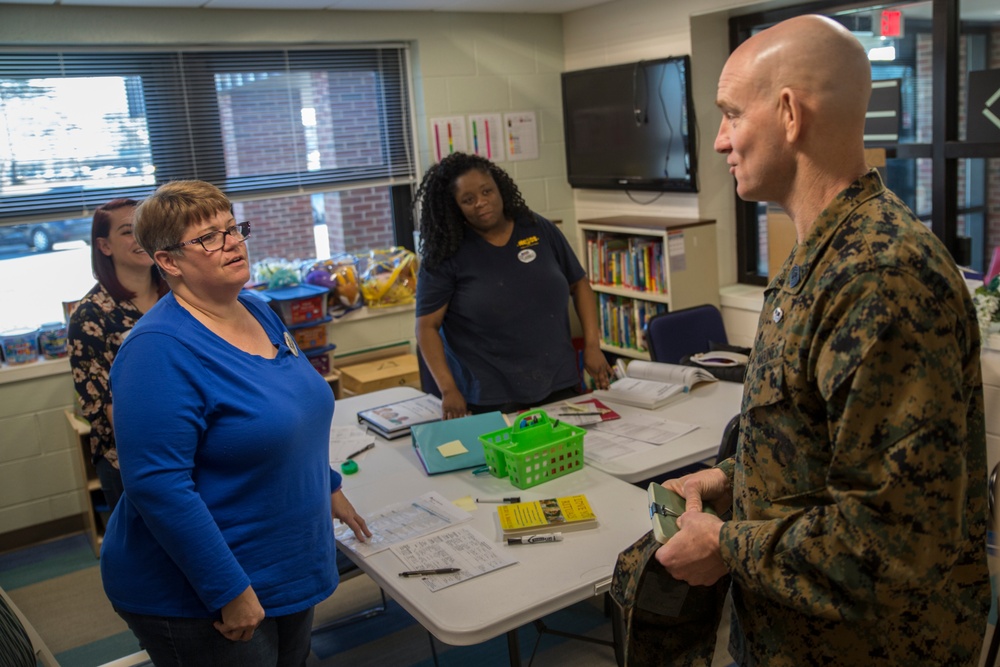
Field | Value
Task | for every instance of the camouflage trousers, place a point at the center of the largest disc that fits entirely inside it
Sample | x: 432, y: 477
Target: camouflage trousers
x: 660, y: 621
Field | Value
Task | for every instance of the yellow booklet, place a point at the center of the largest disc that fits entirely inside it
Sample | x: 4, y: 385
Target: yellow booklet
x: 549, y: 515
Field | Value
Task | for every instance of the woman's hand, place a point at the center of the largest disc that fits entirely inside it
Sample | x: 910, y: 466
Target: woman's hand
x: 453, y: 405
x: 597, y: 366
x: 240, y: 617
x: 343, y: 511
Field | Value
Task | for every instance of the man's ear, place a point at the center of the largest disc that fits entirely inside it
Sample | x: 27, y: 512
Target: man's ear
x: 791, y: 110
x: 104, y: 245
x: 165, y: 260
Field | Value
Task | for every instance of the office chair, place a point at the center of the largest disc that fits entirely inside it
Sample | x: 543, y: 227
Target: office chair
x: 21, y: 645
x: 674, y: 335
x: 730, y: 437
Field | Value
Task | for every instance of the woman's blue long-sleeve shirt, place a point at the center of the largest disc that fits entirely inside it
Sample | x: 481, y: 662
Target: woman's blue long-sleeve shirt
x: 225, y: 461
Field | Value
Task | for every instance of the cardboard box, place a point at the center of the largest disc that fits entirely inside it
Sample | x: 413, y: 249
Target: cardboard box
x: 398, y: 371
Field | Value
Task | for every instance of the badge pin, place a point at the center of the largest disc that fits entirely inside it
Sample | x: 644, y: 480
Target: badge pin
x: 527, y: 255
x: 778, y: 314
x: 290, y: 342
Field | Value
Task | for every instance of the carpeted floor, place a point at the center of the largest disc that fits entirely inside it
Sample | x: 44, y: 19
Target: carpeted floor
x: 57, y: 585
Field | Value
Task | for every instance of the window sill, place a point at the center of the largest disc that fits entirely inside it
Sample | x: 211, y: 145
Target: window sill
x: 34, y: 370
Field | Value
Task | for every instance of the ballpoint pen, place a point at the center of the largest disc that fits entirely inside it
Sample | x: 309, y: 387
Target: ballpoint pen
x: 361, y: 451
x: 580, y: 414
x: 421, y: 573
x: 509, y: 499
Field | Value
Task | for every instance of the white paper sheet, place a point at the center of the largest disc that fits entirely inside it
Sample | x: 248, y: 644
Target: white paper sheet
x: 653, y: 430
x: 462, y: 547
x: 345, y: 440
x: 403, y: 521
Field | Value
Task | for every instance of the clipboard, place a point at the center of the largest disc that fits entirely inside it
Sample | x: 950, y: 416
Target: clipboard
x: 428, y: 437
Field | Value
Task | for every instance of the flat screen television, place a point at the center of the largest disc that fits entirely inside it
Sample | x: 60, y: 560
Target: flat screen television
x: 631, y: 127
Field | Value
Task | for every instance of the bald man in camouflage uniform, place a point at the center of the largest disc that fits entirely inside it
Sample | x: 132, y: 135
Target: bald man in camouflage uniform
x: 859, y: 486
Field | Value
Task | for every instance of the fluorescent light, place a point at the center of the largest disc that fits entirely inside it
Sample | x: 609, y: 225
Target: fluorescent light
x: 882, y: 53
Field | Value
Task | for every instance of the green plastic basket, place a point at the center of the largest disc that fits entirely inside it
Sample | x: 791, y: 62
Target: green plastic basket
x: 534, y: 450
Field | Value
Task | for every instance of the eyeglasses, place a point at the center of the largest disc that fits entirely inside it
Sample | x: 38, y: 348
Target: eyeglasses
x: 213, y: 241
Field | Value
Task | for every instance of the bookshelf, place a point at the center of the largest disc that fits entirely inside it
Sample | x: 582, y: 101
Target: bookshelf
x: 92, y: 497
x: 640, y: 266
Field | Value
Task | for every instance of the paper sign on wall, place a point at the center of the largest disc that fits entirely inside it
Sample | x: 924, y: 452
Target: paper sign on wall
x: 486, y: 130
x: 675, y: 247
x: 521, y: 135
x: 448, y: 136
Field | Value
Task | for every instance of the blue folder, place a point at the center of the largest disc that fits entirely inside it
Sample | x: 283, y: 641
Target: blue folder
x: 428, y: 437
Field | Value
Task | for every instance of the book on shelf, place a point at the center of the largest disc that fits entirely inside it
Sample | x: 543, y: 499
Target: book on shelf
x: 546, y: 516
x: 395, y: 419
x: 652, y: 384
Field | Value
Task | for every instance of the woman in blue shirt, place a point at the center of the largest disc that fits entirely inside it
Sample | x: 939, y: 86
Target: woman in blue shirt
x: 223, y: 540
x: 493, y: 292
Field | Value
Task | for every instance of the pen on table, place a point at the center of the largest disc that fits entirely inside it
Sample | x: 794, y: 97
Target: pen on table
x: 535, y: 539
x: 580, y: 414
x: 481, y: 470
x: 510, y: 499
x: 361, y: 451
x: 420, y: 573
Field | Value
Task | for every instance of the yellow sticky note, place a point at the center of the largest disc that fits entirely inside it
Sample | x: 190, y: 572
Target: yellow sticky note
x: 466, y: 503
x: 453, y: 448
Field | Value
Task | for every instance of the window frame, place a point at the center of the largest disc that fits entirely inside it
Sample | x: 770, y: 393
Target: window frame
x: 945, y: 150
x: 179, y: 83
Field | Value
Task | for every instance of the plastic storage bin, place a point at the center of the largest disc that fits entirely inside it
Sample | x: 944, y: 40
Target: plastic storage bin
x: 310, y: 336
x: 321, y: 359
x: 20, y: 346
x: 52, y: 340
x: 300, y: 304
x: 534, y: 450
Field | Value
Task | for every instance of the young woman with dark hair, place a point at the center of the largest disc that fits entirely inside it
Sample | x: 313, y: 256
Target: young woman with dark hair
x: 128, y: 284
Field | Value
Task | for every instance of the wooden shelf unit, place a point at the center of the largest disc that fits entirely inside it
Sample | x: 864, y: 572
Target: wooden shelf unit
x: 92, y: 495
x: 643, y: 265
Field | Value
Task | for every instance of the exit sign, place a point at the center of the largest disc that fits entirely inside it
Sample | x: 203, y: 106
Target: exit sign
x: 891, y: 23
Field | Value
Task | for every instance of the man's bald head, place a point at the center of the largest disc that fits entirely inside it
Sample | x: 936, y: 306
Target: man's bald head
x: 817, y: 57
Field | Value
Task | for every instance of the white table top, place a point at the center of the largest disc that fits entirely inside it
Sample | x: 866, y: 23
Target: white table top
x: 547, y: 578
x: 709, y: 406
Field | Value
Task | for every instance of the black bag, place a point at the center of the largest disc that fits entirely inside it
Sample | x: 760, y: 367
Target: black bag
x: 658, y: 620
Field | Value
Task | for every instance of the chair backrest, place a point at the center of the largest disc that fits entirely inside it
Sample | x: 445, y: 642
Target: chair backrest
x: 20, y: 643
x: 674, y: 335
x: 730, y: 437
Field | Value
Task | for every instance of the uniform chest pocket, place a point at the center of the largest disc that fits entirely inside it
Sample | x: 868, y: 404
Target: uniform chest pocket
x: 784, y: 457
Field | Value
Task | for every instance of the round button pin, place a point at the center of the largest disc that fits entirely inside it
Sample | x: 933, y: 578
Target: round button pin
x: 778, y: 314
x: 349, y: 467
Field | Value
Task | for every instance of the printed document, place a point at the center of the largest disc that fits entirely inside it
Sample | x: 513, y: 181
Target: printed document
x: 403, y: 521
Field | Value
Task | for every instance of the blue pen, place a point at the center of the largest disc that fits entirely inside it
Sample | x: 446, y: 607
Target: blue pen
x: 481, y: 470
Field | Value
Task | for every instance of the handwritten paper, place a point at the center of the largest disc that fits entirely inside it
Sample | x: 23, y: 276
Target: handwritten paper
x: 403, y: 521
x: 602, y: 447
x: 462, y: 547
x: 345, y: 440
x: 655, y: 431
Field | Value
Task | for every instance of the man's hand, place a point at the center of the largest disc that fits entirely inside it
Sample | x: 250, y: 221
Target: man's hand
x: 709, y: 485
x: 240, y: 617
x: 342, y: 510
x: 693, y: 553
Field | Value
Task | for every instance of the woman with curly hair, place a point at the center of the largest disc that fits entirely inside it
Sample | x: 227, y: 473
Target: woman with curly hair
x: 128, y: 284
x: 492, y: 294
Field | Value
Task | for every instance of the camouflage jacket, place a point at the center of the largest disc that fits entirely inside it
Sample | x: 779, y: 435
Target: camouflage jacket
x: 860, y: 510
